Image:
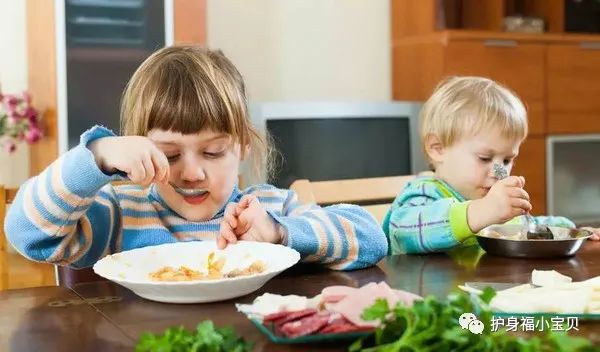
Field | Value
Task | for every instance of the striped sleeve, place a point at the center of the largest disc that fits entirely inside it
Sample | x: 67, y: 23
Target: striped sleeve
x: 67, y: 215
x: 343, y: 237
x: 422, y: 220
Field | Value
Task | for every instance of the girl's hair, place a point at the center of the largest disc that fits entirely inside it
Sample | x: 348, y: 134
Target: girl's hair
x: 189, y: 89
x: 464, y: 106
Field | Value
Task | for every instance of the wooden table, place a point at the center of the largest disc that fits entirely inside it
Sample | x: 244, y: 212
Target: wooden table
x: 111, y: 317
x: 55, y: 319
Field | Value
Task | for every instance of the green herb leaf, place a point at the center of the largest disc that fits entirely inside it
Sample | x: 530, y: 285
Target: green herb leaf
x: 206, y: 338
x: 433, y: 325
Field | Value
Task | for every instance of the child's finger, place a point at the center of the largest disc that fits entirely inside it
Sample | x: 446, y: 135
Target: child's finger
x: 229, y: 215
x: 137, y: 173
x: 226, y: 235
x: 517, y: 192
x: 161, y: 166
x: 221, y: 242
x: 244, y: 203
x: 513, y: 181
x: 520, y: 205
x: 148, y: 169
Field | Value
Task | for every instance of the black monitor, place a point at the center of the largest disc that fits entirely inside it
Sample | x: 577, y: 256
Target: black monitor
x: 333, y: 141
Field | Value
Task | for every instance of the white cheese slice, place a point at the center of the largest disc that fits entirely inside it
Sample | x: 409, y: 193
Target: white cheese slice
x: 548, y: 278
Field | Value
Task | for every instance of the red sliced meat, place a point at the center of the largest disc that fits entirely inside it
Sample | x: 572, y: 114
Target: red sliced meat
x: 339, y: 324
x: 305, y: 326
x: 295, y: 315
x: 275, y: 316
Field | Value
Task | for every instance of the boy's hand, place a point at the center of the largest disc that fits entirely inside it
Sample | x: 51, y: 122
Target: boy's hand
x: 248, y: 220
x: 505, y: 200
x: 136, y: 156
x: 595, y: 233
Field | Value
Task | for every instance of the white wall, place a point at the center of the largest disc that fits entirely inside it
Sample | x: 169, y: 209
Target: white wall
x: 14, y: 169
x: 306, y: 49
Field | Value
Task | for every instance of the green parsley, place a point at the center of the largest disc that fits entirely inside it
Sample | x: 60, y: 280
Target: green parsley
x: 206, y: 338
x: 431, y: 325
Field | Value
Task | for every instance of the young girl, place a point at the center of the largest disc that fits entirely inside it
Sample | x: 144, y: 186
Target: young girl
x: 468, y: 125
x: 186, y: 126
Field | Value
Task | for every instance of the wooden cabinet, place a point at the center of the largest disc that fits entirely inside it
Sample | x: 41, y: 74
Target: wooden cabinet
x: 519, y: 66
x: 573, y: 87
x: 532, y: 165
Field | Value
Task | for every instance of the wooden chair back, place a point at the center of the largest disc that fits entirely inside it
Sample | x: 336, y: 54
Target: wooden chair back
x: 65, y: 276
x: 374, y: 194
x: 7, y: 195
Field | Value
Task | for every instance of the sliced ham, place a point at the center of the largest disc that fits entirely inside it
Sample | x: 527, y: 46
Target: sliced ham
x: 353, y: 305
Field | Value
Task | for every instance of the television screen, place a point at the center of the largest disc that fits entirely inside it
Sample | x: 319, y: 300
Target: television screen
x: 573, y: 178
x: 322, y: 149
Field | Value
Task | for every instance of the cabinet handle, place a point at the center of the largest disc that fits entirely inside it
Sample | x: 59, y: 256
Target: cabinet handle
x: 590, y: 45
x: 506, y: 43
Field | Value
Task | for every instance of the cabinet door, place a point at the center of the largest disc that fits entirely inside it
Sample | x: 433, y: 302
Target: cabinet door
x: 573, y: 88
x: 518, y: 66
x: 531, y: 164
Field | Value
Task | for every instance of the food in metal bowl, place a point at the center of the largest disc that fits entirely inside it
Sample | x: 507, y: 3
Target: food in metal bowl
x: 512, y: 241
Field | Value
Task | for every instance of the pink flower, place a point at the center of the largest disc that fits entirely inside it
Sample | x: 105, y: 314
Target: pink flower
x: 18, y: 120
x: 31, y: 114
x: 26, y: 97
x: 10, y: 147
x: 33, y: 135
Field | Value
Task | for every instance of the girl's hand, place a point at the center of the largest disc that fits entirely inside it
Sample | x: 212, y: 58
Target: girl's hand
x: 595, y: 233
x: 248, y: 220
x: 505, y: 200
x: 136, y: 156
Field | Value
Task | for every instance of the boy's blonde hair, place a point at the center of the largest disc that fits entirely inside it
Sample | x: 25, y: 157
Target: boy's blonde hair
x: 464, y: 106
x: 189, y: 89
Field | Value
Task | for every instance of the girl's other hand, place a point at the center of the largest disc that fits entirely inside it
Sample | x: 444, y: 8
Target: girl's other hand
x: 248, y: 220
x: 135, y: 156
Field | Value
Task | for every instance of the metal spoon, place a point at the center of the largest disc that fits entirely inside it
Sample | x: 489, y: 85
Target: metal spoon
x: 534, y: 231
x: 187, y: 192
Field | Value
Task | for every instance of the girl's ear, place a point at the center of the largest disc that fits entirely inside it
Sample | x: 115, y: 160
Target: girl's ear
x: 434, y: 148
x: 245, y: 152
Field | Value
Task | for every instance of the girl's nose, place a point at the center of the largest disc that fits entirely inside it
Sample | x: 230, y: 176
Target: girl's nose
x: 193, y: 171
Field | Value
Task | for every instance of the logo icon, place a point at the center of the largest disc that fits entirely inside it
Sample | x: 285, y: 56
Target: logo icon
x: 470, y: 321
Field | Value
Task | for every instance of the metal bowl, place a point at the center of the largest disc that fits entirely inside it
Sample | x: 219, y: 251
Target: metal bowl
x: 510, y: 241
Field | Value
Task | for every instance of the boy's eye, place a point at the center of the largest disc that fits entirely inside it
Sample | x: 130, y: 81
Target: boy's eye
x: 485, y: 159
x: 507, y: 161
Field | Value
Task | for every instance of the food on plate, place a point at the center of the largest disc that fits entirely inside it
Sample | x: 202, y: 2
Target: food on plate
x: 214, y: 270
x: 549, y: 292
x: 336, y: 309
x: 167, y: 273
x: 516, y: 236
x: 548, y: 278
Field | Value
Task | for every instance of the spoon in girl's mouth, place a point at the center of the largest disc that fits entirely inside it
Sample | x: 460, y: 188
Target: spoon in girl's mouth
x: 188, y: 192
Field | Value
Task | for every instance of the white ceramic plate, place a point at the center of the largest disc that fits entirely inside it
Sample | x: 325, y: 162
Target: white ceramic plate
x: 131, y: 269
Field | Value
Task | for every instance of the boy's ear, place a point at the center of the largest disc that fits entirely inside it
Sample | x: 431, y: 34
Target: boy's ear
x: 434, y: 148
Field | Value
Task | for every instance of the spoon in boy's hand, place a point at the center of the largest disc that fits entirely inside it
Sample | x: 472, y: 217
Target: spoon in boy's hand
x: 534, y: 231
